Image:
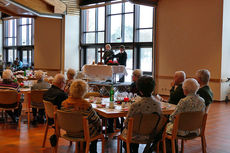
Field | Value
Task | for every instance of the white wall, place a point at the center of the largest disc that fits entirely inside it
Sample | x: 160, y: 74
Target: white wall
x: 72, y: 23
x: 189, y: 37
x: 225, y: 73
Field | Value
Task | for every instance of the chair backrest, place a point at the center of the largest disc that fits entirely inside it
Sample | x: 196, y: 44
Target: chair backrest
x: 144, y: 124
x: 37, y: 96
x: 49, y: 109
x: 73, y: 122
x: 93, y: 94
x: 189, y: 121
x: 8, y: 96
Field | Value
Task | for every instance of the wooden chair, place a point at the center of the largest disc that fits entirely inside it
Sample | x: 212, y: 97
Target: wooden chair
x: 75, y: 122
x: 10, y: 97
x: 50, y: 109
x: 140, y: 124
x: 188, y: 121
x: 36, y: 101
x: 93, y: 94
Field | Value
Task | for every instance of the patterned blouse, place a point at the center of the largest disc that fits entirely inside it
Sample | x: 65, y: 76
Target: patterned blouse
x: 85, y: 108
x: 144, y: 105
x: 191, y: 103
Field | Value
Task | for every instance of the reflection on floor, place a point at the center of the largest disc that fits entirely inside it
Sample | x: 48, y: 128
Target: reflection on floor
x: 13, y: 140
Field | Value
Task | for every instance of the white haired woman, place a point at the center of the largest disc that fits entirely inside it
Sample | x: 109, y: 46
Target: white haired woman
x: 108, y: 55
x: 191, y: 103
x: 70, y: 75
x: 137, y: 73
x: 76, y: 102
x: 8, y: 84
x: 41, y: 84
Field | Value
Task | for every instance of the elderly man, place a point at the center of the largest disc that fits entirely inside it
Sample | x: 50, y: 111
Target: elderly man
x: 176, y: 92
x: 205, y: 92
x: 41, y: 84
x: 191, y: 103
x: 56, y: 94
x: 8, y: 84
x: 137, y: 73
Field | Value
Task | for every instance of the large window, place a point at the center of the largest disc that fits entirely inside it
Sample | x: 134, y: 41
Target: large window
x: 18, y: 40
x: 119, y: 24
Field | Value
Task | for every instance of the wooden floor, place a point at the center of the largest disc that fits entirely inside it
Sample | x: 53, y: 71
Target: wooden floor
x: 13, y: 140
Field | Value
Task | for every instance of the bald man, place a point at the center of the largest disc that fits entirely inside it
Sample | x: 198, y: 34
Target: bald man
x: 176, y: 91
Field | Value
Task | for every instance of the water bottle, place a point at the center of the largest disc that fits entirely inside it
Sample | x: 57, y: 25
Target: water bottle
x: 112, y: 94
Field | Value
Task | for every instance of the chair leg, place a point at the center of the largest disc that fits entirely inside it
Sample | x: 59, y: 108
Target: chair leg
x: 173, y: 145
x: 28, y: 117
x: 164, y: 145
x: 203, y: 141
x: 19, y: 122
x: 158, y: 147
x: 87, y: 147
x: 128, y: 147
x: 76, y: 146
x: 118, y: 145
x: 46, y: 131
x: 102, y: 144
x: 182, y: 146
x: 81, y: 146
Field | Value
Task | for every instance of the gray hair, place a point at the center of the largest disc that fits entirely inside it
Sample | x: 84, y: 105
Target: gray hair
x: 180, y: 74
x: 71, y: 72
x: 108, y: 46
x: 7, y: 74
x: 59, y: 78
x: 78, y: 88
x: 191, y: 85
x: 137, y: 72
x: 203, y: 75
x: 39, y: 74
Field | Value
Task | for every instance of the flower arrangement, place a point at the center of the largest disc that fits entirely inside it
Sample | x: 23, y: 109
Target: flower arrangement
x: 110, y: 62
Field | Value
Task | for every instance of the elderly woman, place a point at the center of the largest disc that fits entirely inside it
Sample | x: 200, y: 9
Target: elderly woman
x: 8, y: 84
x: 108, y: 55
x: 147, y: 104
x: 191, y: 103
x: 137, y: 73
x: 203, y: 76
x: 70, y: 75
x: 41, y: 84
x: 76, y: 102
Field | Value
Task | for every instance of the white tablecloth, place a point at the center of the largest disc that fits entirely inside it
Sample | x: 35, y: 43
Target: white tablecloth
x: 102, y: 72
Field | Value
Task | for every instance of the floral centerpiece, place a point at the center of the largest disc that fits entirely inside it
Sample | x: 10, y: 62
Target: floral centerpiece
x: 110, y: 62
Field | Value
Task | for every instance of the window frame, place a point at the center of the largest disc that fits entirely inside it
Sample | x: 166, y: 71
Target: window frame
x: 135, y: 45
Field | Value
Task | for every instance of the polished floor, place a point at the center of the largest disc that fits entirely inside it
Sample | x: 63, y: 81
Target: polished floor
x: 24, y: 140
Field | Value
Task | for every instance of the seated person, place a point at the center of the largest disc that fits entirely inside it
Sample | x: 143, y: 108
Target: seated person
x: 191, y: 103
x: 76, y: 102
x: 41, y: 84
x: 56, y: 94
x: 205, y: 92
x: 70, y: 75
x: 8, y: 84
x: 145, y: 105
x: 18, y: 65
x: 137, y: 73
x: 176, y: 92
x: 108, y: 54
